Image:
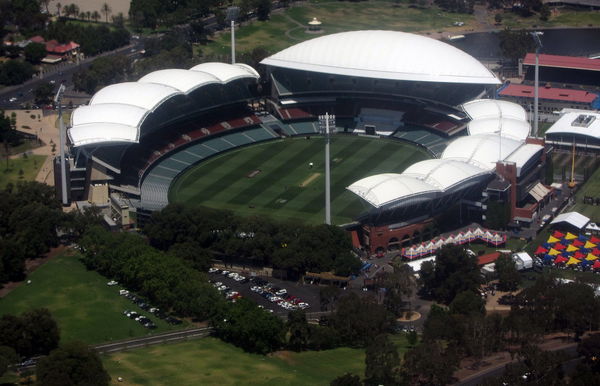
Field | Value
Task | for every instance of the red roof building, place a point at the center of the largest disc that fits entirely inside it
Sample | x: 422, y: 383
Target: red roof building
x: 557, y: 61
x: 550, y: 93
x: 488, y: 258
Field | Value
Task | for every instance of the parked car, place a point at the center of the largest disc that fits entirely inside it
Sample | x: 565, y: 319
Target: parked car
x: 111, y: 283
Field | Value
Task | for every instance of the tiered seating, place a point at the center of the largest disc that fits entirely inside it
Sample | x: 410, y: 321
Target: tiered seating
x: 428, y: 139
x: 303, y: 128
x: 260, y: 134
x: 294, y: 113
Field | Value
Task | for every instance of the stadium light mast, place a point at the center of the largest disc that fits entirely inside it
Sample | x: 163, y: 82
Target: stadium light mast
x: 325, y: 121
x: 538, y: 46
x: 61, y: 129
x: 232, y: 41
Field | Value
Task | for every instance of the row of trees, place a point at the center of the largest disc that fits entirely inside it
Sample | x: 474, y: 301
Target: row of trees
x: 289, y: 246
x: 167, y: 281
x: 91, y: 38
x: 458, y: 6
x: 15, y: 72
x: 33, y: 333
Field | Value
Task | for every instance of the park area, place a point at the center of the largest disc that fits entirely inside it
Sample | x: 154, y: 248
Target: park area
x: 590, y: 189
x: 275, y: 178
x: 20, y: 169
x: 84, y: 307
x: 210, y: 361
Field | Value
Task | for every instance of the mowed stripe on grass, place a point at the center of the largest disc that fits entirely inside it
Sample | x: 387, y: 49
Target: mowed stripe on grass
x: 84, y: 307
x: 222, y: 182
x: 210, y: 361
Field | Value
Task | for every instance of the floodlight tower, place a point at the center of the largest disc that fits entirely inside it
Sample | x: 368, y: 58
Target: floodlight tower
x: 538, y: 46
x: 325, y: 121
x: 232, y: 15
x: 61, y: 129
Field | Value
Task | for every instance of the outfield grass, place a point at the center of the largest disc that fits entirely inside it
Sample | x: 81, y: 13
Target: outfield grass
x: 590, y: 188
x: 210, y: 361
x: 84, y: 307
x: 288, y: 28
x: 30, y: 166
x: 286, y: 187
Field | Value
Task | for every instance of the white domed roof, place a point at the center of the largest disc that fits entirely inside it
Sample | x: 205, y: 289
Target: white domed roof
x: 444, y: 174
x: 482, y: 150
x: 494, y: 108
x: 506, y: 127
x: 382, y: 189
x: 384, y: 55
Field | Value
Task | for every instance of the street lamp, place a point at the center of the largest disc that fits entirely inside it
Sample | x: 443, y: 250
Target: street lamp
x: 538, y: 46
x: 61, y: 130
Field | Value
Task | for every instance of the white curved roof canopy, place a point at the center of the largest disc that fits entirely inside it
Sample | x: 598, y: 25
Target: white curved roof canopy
x: 128, y: 115
x: 381, y: 189
x: 524, y: 154
x: 384, y: 55
x: 493, y: 108
x: 116, y: 112
x: 506, y: 127
x: 444, y: 174
x: 183, y: 80
x: 144, y: 95
x: 482, y: 150
x: 227, y: 72
x: 567, y: 125
x: 93, y: 133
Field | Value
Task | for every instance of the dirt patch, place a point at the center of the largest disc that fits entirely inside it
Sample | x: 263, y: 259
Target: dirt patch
x: 30, y: 266
x: 285, y: 356
x: 310, y: 179
x: 409, y: 316
x: 253, y: 173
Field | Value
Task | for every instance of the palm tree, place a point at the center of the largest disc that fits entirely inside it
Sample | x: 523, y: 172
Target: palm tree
x: 95, y: 16
x: 88, y: 15
x: 82, y: 15
x: 58, y: 7
x: 106, y: 10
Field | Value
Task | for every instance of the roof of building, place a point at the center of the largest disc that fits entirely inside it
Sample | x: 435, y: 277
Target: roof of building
x: 559, y: 61
x: 572, y: 123
x: 487, y: 258
x: 575, y: 219
x: 506, y: 127
x: 551, y: 93
x: 444, y: 174
x: 494, y: 108
x: 524, y: 154
x: 482, y: 150
x: 381, y: 189
x: 384, y: 55
x: 117, y: 112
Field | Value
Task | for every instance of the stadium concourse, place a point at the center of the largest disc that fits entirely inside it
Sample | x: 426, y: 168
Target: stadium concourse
x: 135, y: 138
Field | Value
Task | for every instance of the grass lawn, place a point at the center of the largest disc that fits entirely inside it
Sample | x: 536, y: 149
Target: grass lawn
x: 84, y: 307
x: 288, y: 28
x: 286, y: 187
x: 210, y: 361
x: 590, y: 188
x: 30, y: 166
x: 563, y: 17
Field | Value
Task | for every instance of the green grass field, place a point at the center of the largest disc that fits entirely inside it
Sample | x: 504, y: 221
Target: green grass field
x: 84, y: 307
x: 288, y: 28
x: 590, y: 188
x: 30, y: 166
x: 283, y: 186
x: 210, y: 361
x: 562, y: 17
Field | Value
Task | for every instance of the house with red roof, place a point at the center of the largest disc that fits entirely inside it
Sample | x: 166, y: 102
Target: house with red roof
x: 56, y: 51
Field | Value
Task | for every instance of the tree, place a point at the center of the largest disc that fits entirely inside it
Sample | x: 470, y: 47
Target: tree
x: 95, y: 16
x: 497, y: 215
x: 40, y: 329
x: 72, y: 364
x: 545, y: 12
x: 298, y: 329
x: 15, y: 72
x: 43, y: 93
x: 455, y: 271
x: 468, y: 303
x: 508, y: 275
x: 534, y: 366
x: 263, y: 9
x: 106, y: 10
x: 430, y: 363
x: 35, y: 52
x: 347, y: 379
x: 58, y: 8
x: 382, y: 361
x: 498, y: 18
x: 515, y: 44
x: 398, y: 285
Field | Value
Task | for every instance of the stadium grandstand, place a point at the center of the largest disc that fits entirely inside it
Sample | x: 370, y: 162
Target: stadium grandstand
x: 497, y: 152
x: 136, y: 138
x: 563, y: 70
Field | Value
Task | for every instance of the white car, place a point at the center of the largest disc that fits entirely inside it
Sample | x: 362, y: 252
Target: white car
x: 212, y: 270
x: 239, y: 278
x: 111, y: 283
x: 282, y: 291
x: 232, y: 275
x: 303, y: 305
x: 123, y: 292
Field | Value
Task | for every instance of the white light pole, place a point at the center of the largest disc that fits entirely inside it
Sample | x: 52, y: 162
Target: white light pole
x: 324, y: 123
x: 538, y: 45
x: 232, y: 41
x: 61, y: 132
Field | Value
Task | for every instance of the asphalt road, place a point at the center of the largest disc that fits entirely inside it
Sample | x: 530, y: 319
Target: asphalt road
x: 62, y: 73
